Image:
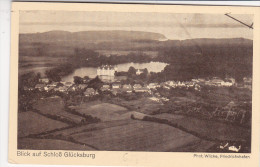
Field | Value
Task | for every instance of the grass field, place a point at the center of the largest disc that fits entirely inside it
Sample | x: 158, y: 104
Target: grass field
x: 143, y: 105
x: 38, y: 64
x: 210, y: 128
x: 55, y: 106
x: 103, y: 111
x: 130, y: 135
x: 49, y: 144
x: 33, y: 123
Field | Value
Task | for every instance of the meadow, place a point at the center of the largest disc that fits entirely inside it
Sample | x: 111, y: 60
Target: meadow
x: 55, y: 107
x: 214, y: 130
x: 129, y: 135
x: 103, y: 111
x: 33, y: 123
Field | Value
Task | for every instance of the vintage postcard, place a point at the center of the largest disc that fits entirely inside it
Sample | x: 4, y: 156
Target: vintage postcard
x: 134, y: 85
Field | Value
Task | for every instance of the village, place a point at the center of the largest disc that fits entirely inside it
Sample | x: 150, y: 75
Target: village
x: 117, y: 87
x: 153, y: 91
x: 153, y: 99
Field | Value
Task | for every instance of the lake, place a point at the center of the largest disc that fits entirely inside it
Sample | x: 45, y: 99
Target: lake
x: 92, y: 71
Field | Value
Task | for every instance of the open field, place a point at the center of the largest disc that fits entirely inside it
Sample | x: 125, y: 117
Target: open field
x: 103, y: 111
x: 130, y: 135
x: 143, y: 105
x: 209, y: 128
x: 55, y: 106
x: 33, y: 123
x: 38, y: 64
x: 49, y: 144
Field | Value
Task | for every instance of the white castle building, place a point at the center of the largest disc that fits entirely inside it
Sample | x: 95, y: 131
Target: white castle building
x: 106, y: 70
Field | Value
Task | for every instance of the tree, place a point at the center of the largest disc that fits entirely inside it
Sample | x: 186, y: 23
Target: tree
x: 131, y: 71
x: 95, y: 83
x: 78, y: 80
x: 53, y: 75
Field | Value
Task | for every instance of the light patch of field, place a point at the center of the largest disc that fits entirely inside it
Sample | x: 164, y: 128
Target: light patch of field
x: 104, y: 111
x: 87, y: 128
x: 55, y: 106
x: 143, y: 105
x: 130, y: 135
x: 33, y: 123
x: 49, y: 144
x: 137, y: 136
x: 38, y: 64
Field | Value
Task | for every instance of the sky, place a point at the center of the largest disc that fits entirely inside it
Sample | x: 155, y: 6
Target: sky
x: 171, y: 25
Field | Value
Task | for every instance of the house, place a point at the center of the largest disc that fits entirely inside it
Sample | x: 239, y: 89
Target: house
x: 72, y: 88
x: 227, y: 84
x: 137, y: 86
x: 171, y: 83
x: 230, y: 79
x: 105, y: 88
x: 157, y: 94
x: 68, y: 84
x: 50, y: 88
x: 165, y: 86
x: 63, y: 88
x: 215, y: 81
x: 197, y: 87
x: 139, y: 71
x: 116, y: 85
x: 142, y: 90
x: 44, y: 80
x: 202, y: 80
x: 127, y: 88
x: 106, y: 70
x: 54, y: 84
x: 152, y: 85
x: 195, y: 80
x: 82, y: 86
x: 115, y: 91
x: 181, y: 84
x: 154, y: 99
x: 40, y: 86
x: 90, y: 92
x: 56, y: 89
x: 165, y: 99
x: 189, y: 84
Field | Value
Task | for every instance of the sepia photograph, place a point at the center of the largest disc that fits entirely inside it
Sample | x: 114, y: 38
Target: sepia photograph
x: 122, y: 81
x: 134, y: 85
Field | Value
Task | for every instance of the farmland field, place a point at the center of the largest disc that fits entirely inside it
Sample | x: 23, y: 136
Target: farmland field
x: 33, y: 123
x: 210, y: 128
x: 38, y: 64
x: 130, y: 135
x: 103, y: 111
x: 49, y: 144
x: 143, y: 105
x: 55, y: 106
